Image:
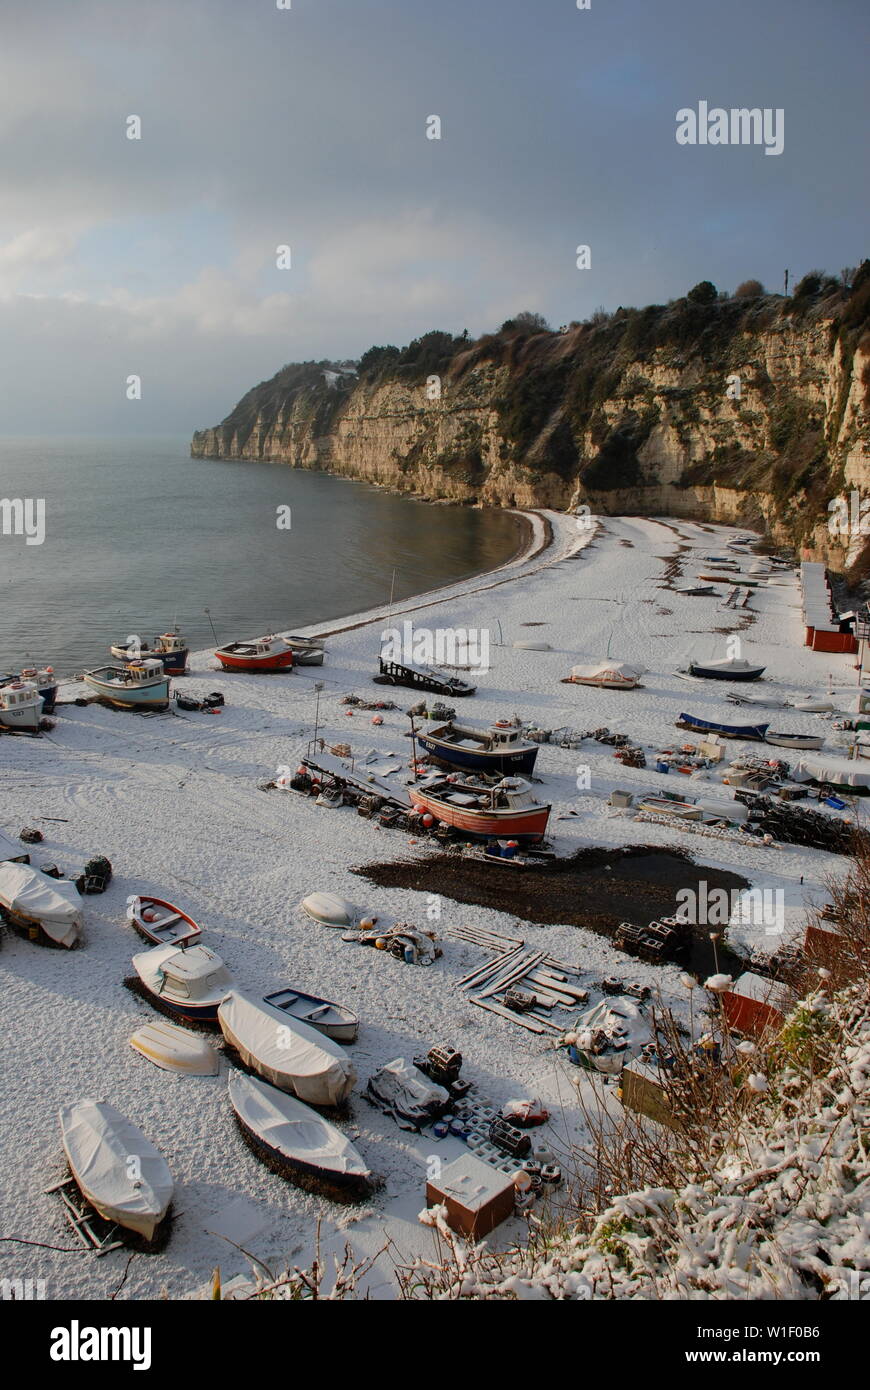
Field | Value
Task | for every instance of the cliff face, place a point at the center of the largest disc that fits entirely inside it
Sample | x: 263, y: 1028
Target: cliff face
x: 749, y: 411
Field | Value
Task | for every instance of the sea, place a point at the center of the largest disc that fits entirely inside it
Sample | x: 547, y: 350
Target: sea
x: 136, y: 537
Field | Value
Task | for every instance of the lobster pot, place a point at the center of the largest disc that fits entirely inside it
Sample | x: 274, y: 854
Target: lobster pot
x: 477, y: 1197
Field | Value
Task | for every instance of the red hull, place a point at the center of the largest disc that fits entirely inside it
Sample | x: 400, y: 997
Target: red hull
x: 278, y: 661
x: 530, y: 824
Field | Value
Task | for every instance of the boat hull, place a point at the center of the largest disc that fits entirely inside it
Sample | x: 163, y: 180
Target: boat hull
x: 276, y: 661
x: 154, y: 696
x: 709, y: 673
x: 752, y: 732
x: 343, y: 1029
x: 602, y: 684
x: 98, y: 1142
x: 527, y: 824
x: 273, y: 1124
x: 23, y: 720
x: 802, y: 743
x: 174, y: 663
x: 183, y: 930
x: 479, y: 760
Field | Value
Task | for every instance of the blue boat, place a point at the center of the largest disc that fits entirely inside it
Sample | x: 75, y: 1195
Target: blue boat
x: 756, y: 732
x: 500, y: 748
x: 169, y: 647
x: 137, y: 686
x: 42, y: 677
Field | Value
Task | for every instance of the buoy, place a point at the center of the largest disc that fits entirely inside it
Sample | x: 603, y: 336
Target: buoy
x: 377, y: 719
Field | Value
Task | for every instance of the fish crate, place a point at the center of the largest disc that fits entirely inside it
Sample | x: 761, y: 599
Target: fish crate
x: 370, y: 806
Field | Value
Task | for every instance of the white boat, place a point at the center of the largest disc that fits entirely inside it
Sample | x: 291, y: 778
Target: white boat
x: 332, y: 911
x: 188, y: 982
x: 47, y: 909
x: 814, y: 706
x: 845, y: 774
x: 140, y: 685
x: 20, y: 707
x: 302, y: 1141
x: 307, y: 651
x: 763, y: 701
x: 666, y: 806
x: 285, y: 1052
x: 117, y: 1169
x: 333, y: 1020
x: 161, y: 922
x: 805, y: 742
x: 175, y: 1049
x: 609, y: 675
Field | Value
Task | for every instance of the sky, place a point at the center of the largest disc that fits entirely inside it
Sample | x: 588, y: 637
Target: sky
x: 306, y: 127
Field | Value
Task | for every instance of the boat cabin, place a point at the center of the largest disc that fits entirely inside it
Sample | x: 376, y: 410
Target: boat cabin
x: 196, y: 973
x: 18, y: 694
x: 170, y: 642
x: 143, y: 672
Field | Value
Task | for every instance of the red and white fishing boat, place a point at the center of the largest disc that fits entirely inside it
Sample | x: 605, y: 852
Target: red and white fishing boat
x: 508, y: 809
x: 265, y: 654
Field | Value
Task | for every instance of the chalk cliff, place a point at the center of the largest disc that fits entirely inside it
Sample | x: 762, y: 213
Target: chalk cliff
x: 750, y: 410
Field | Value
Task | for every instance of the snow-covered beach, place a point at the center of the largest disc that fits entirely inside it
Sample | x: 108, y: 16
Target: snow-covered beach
x: 175, y: 803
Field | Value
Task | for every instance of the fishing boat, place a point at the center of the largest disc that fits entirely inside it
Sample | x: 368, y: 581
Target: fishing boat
x: 760, y: 701
x: 307, y: 651
x: 48, y: 910
x: 755, y: 732
x: 506, y: 810
x: 420, y: 677
x: 175, y: 1049
x: 285, y: 1051
x: 663, y: 805
x: 42, y: 677
x: 189, y: 983
x: 169, y: 647
x: 500, y: 748
x: 265, y: 654
x: 809, y: 743
x: 141, y: 685
x: 120, y: 1172
x: 20, y: 707
x: 161, y: 922
x: 332, y: 1020
x: 730, y: 668
x: 293, y: 1135
x: 607, y: 674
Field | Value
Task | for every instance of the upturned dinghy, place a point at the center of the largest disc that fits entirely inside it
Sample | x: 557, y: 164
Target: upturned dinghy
x: 301, y: 1141
x: 753, y: 732
x: 813, y: 706
x: 728, y: 669
x: 665, y: 806
x: 333, y: 1020
x: 332, y: 911
x: 175, y: 1049
x: 161, y: 922
x: 120, y: 1172
x: 190, y: 983
x: 285, y: 1052
x: 48, y: 910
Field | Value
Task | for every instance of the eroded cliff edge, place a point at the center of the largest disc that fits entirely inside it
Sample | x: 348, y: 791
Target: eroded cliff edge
x: 752, y: 410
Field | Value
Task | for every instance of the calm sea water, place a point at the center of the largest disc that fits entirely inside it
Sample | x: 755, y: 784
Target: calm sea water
x: 138, y: 536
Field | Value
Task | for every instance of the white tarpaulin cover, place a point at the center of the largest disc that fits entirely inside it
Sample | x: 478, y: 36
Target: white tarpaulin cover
x: 292, y: 1129
x: 117, y: 1168
x: 840, y: 772
x: 610, y: 1034
x: 286, y: 1052
x: 607, y: 670
x: 404, y: 1092
x: 54, y: 903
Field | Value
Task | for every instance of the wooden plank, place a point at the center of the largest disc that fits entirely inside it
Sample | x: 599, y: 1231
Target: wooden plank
x: 492, y: 1008
x: 517, y: 972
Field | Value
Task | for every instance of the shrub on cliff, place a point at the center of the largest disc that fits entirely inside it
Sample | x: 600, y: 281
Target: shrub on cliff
x: 749, y: 289
x: 704, y: 292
